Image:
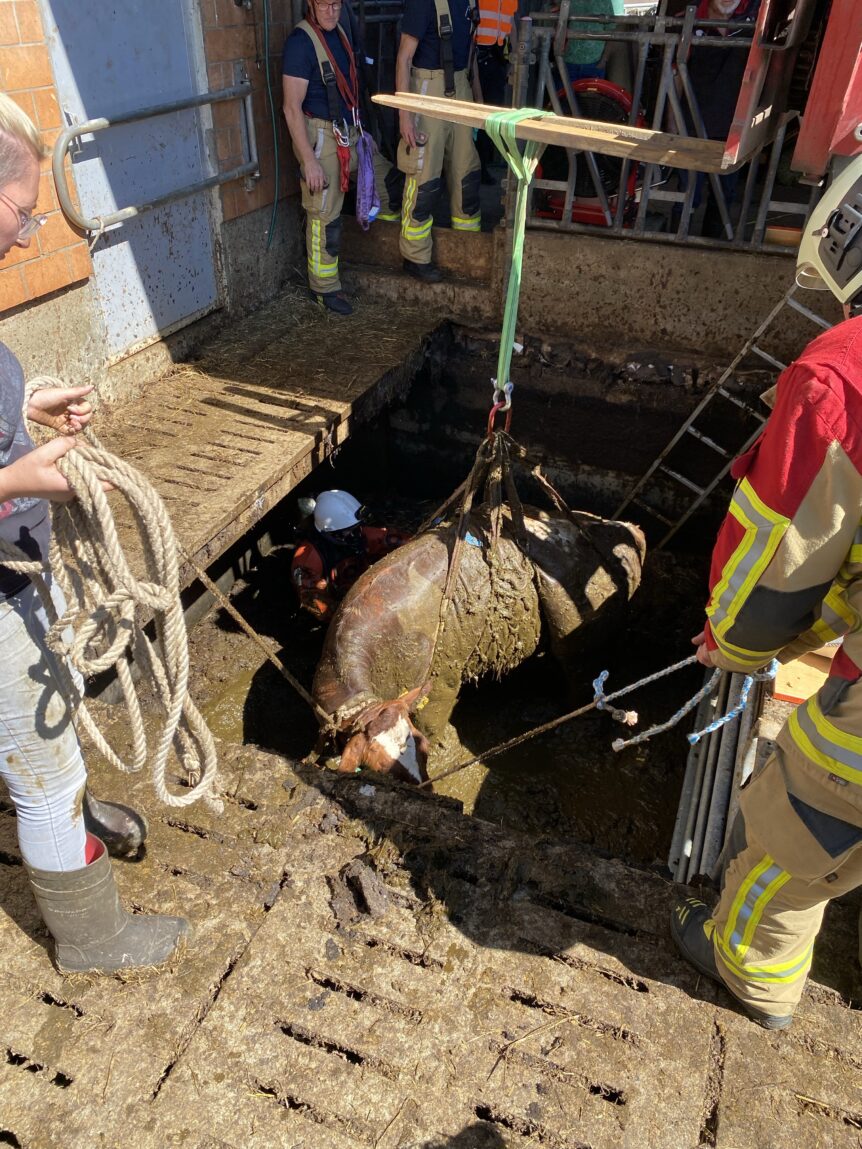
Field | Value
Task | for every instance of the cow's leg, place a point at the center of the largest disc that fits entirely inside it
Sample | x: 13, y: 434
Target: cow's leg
x: 434, y: 716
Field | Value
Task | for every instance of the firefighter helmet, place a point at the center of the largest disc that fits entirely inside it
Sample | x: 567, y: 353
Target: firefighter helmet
x: 830, y: 254
x: 335, y: 511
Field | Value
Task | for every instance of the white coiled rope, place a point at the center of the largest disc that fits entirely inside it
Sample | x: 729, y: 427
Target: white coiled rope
x: 104, y: 602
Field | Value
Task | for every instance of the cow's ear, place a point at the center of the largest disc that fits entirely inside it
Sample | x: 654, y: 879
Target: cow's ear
x: 416, y: 699
x: 353, y: 753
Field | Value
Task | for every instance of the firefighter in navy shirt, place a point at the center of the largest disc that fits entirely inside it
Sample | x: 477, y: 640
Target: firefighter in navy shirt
x: 323, y: 119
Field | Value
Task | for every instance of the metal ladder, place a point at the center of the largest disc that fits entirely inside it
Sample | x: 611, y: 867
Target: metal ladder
x: 716, y: 390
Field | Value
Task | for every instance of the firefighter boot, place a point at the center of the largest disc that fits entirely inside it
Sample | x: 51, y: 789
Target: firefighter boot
x: 333, y: 301
x: 122, y: 829
x: 92, y: 932
x: 424, y: 272
x: 691, y: 929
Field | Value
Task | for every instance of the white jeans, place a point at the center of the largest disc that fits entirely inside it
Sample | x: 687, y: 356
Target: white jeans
x: 40, y: 757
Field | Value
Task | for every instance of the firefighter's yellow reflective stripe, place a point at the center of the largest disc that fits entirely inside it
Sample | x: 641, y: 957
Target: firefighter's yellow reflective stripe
x: 779, y: 973
x: 317, y: 265
x: 755, y: 659
x: 408, y: 202
x: 819, y: 740
x: 764, y: 530
x: 389, y: 216
x: 855, y: 555
x: 417, y: 230
x: 466, y: 223
x: 753, y: 896
x: 837, y: 616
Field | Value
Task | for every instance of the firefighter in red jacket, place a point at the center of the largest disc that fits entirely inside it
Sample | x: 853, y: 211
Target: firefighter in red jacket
x: 786, y: 576
x: 327, y: 564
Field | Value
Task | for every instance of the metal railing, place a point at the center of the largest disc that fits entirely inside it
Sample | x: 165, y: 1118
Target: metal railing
x: 645, y: 201
x: 98, y: 224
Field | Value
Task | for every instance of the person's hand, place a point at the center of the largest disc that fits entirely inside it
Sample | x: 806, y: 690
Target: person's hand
x: 315, y: 177
x: 63, y: 409
x: 407, y: 123
x: 702, y: 653
x: 35, y: 474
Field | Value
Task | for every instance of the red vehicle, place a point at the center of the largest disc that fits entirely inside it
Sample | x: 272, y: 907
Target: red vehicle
x: 597, y: 99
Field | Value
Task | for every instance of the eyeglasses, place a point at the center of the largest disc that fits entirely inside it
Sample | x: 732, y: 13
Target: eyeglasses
x: 28, y: 224
x: 329, y: 7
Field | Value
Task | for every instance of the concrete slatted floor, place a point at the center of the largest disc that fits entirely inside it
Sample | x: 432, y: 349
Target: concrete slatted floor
x: 371, y: 969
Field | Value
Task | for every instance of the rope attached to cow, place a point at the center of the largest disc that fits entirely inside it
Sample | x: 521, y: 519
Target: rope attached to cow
x: 100, y: 628
x: 546, y: 726
x: 627, y: 717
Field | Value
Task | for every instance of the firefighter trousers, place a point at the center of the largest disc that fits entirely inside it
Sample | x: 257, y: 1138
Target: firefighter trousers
x: 448, y: 148
x: 794, y: 846
x: 323, y: 208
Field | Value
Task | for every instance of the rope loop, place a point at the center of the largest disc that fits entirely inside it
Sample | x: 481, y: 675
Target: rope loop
x: 758, y: 676
x: 100, y: 626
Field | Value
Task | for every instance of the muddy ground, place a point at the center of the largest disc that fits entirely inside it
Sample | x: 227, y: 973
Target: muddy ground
x: 373, y: 968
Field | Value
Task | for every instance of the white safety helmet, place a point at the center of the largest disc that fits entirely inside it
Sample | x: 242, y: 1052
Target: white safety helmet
x: 335, y: 511
x: 830, y: 254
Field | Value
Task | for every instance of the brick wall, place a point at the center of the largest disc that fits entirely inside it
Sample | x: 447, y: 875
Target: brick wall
x: 235, y: 36
x: 57, y: 257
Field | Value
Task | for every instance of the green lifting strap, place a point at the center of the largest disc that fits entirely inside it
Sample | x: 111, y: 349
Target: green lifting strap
x: 500, y: 126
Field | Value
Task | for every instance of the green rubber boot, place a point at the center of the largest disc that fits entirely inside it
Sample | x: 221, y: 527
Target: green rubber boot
x: 91, y: 930
x: 691, y: 930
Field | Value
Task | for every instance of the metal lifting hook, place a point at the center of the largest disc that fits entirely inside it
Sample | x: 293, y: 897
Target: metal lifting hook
x: 502, y: 402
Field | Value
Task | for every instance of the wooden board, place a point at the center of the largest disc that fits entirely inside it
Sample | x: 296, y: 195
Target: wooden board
x: 643, y: 145
x: 796, y: 681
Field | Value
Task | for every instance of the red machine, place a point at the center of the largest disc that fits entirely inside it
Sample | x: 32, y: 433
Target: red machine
x: 832, y: 120
x: 598, y: 100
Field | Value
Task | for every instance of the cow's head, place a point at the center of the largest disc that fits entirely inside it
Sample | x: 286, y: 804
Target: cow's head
x: 386, y: 741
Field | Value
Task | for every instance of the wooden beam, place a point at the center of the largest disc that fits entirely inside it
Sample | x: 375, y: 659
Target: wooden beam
x: 643, y: 145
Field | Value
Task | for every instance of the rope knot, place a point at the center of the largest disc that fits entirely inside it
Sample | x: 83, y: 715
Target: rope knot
x: 627, y: 717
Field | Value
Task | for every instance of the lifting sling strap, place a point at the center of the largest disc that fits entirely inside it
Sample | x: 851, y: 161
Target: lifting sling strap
x: 444, y: 31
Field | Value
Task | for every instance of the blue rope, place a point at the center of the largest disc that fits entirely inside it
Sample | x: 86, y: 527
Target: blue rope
x: 628, y: 717
x: 747, y: 683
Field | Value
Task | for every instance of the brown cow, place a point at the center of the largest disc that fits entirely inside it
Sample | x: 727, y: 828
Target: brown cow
x: 573, y: 571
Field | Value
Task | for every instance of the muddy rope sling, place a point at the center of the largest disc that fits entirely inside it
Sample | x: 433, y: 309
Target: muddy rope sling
x: 500, y: 127
x: 103, y: 597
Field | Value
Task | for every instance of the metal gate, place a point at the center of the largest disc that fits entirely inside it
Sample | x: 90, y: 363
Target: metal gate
x: 154, y: 273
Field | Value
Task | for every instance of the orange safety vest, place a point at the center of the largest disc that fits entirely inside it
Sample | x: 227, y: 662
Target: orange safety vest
x: 495, y: 21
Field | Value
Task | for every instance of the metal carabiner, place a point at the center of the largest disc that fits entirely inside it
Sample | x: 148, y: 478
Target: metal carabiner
x: 502, y: 402
x: 503, y: 395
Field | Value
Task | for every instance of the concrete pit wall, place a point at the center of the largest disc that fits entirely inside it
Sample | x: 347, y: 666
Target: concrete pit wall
x: 628, y: 295
x: 595, y: 423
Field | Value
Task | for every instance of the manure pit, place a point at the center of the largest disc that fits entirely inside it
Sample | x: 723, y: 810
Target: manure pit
x: 375, y: 967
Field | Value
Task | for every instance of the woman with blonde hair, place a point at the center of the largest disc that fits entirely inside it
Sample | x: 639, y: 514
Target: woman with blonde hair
x: 40, y: 757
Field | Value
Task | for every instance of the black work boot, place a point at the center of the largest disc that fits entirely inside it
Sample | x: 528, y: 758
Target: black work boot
x: 424, y: 272
x: 688, y: 927
x: 91, y: 930
x: 332, y: 301
x: 122, y: 829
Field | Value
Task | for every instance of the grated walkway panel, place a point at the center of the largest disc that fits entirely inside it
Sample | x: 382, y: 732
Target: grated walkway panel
x: 226, y: 438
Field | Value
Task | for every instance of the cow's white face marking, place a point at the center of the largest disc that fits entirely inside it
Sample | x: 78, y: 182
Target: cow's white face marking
x: 399, y: 743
